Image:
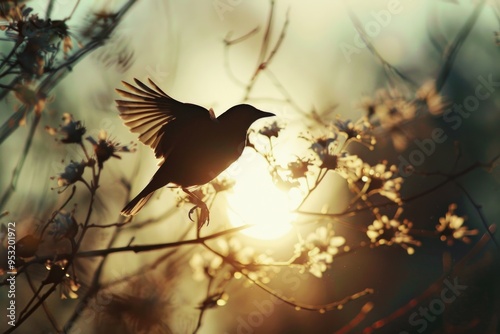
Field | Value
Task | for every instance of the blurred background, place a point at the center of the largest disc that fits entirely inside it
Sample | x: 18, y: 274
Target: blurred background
x: 320, y: 69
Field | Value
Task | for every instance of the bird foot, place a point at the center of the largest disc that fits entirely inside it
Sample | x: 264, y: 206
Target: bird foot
x: 204, y: 214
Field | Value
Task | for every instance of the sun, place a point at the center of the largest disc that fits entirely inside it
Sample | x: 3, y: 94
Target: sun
x: 257, y: 201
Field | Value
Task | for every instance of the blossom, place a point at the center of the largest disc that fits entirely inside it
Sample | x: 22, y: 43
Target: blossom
x: 349, y: 166
x: 69, y: 287
x: 429, y: 95
x: 286, y: 178
x: 72, y: 173
x: 271, y: 130
x: 39, y: 38
x: 391, y: 110
x: 329, y: 155
x: 64, y: 225
x: 381, y: 179
x: 451, y: 227
x: 105, y: 148
x: 322, y: 145
x: 71, y: 129
x: 316, y: 252
x: 358, y: 131
x: 389, y: 106
x: 385, y: 231
x: 58, y: 274
x: 298, y: 168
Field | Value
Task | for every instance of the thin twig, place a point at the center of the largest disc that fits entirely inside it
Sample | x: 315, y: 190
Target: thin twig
x: 479, y: 210
x: 95, y: 284
x: 240, y: 39
x: 298, y: 305
x: 58, y: 73
x: 432, y: 289
x: 140, y: 248
x: 48, y: 313
x: 448, y: 178
x: 203, y: 309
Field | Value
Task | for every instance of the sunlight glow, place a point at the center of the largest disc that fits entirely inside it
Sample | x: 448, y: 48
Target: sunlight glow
x: 256, y: 200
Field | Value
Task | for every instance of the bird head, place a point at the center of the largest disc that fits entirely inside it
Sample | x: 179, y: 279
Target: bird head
x: 243, y: 115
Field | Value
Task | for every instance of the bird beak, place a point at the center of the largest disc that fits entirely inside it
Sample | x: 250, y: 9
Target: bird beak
x: 267, y: 114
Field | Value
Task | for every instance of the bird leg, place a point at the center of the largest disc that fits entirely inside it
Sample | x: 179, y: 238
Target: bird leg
x: 204, y: 214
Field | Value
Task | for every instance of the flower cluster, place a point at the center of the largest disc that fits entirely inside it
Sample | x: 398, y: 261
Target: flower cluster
x: 72, y: 173
x: 271, y: 130
x: 380, y: 179
x: 58, y: 273
x: 298, y: 168
x: 428, y: 95
x: 71, y: 130
x: 316, y: 252
x: 451, y: 227
x: 286, y: 178
x: 263, y: 138
x: 385, y: 231
x: 330, y: 155
x: 104, y: 148
x: 391, y: 110
x: 390, y: 107
x: 64, y: 226
x: 359, y: 131
x: 38, y: 40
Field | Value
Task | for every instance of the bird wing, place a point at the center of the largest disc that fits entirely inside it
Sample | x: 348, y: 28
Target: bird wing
x: 158, y: 118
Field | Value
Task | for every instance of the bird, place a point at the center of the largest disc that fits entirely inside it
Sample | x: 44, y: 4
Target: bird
x: 194, y: 146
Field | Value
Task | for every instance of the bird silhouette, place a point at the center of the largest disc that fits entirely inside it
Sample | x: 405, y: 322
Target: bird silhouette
x: 194, y: 145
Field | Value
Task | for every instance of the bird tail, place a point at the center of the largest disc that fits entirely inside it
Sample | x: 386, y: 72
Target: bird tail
x: 135, y: 205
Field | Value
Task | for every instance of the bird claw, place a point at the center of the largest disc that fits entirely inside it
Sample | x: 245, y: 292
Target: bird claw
x: 204, y: 215
x: 191, y: 212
